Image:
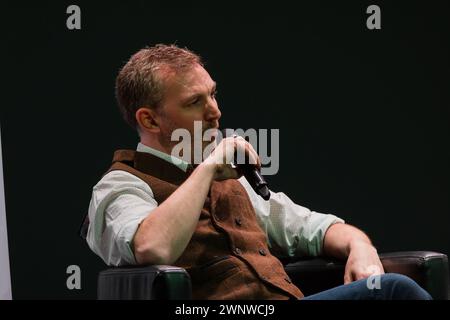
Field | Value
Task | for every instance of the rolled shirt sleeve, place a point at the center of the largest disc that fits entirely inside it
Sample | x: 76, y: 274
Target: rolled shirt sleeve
x: 119, y: 203
x: 292, y: 230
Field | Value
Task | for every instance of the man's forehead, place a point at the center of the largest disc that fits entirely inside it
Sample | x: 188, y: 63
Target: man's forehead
x: 193, y: 79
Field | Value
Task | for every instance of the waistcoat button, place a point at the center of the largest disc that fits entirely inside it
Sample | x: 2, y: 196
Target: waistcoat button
x: 262, y: 252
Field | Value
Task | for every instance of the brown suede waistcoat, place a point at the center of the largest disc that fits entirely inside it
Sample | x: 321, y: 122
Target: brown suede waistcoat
x: 227, y: 256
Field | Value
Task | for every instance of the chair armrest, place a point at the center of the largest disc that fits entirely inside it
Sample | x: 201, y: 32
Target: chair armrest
x: 144, y: 283
x: 428, y: 269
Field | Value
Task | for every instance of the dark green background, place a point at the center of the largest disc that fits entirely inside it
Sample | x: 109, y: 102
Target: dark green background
x: 363, y: 115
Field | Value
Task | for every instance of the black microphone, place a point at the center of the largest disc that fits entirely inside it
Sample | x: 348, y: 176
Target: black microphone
x: 256, y: 180
x: 252, y: 173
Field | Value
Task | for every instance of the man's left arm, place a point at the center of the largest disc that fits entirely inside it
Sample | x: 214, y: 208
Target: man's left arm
x: 347, y: 242
x: 294, y: 230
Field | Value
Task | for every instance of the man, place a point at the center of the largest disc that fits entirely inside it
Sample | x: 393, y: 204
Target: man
x: 151, y: 208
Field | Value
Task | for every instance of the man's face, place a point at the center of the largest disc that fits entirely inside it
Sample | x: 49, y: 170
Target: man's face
x: 189, y: 97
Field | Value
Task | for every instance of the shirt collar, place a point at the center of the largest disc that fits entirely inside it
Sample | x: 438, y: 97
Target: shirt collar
x: 180, y: 163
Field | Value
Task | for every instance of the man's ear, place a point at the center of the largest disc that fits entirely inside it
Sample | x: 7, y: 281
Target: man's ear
x: 148, y: 119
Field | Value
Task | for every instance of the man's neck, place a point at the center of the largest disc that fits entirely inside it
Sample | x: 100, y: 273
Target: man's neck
x: 155, y: 146
x: 162, y: 153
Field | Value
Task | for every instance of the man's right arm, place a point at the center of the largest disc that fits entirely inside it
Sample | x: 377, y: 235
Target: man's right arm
x: 164, y: 234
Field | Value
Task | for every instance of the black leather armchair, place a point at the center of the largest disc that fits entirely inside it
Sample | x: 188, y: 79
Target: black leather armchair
x: 428, y: 269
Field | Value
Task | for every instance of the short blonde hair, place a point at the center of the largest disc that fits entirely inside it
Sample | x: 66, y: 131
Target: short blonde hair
x: 140, y: 82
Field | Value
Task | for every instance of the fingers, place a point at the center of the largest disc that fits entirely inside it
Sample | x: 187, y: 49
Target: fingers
x: 362, y: 273
x: 347, y: 279
x: 234, y: 150
x: 243, y: 146
x: 349, y: 276
x: 230, y: 147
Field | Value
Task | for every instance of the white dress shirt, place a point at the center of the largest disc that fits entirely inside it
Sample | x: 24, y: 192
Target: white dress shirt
x: 120, y: 201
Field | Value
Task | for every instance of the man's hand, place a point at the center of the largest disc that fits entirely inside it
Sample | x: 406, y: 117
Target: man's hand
x: 345, y: 241
x: 224, y: 154
x: 362, y: 262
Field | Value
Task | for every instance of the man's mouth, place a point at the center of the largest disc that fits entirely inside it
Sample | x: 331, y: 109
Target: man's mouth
x: 212, y: 133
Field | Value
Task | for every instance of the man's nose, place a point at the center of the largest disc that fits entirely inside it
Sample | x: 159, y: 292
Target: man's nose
x: 212, y: 112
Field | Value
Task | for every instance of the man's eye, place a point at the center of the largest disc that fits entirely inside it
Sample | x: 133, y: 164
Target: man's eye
x: 213, y: 94
x: 195, y: 101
